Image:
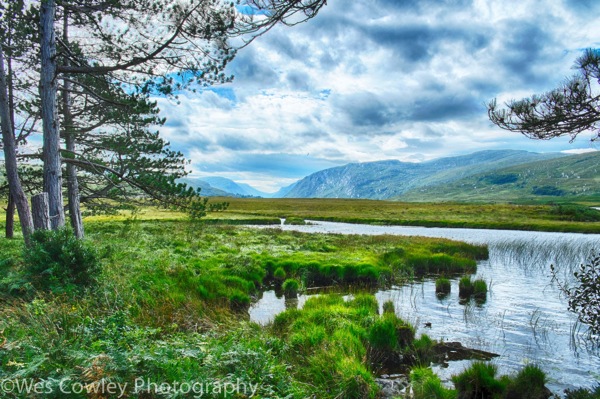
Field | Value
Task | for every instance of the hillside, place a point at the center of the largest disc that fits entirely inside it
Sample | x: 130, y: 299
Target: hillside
x: 392, y: 178
x: 551, y: 179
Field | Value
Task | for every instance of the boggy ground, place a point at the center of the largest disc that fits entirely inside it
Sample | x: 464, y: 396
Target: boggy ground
x: 167, y: 314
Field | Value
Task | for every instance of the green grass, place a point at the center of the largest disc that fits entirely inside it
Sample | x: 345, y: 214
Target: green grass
x: 540, y: 217
x: 442, y: 286
x: 170, y: 299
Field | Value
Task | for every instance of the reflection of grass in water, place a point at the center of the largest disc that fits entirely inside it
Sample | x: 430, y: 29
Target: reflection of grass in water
x: 538, y: 254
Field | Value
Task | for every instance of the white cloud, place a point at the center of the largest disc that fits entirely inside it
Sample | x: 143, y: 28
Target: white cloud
x: 365, y: 81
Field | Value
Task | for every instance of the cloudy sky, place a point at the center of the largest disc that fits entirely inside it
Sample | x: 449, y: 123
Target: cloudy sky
x: 380, y: 79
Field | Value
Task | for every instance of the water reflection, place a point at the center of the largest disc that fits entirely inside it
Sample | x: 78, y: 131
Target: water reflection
x: 524, y: 318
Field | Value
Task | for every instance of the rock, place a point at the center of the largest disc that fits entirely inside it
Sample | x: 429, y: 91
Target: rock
x: 392, y: 385
x: 449, y: 351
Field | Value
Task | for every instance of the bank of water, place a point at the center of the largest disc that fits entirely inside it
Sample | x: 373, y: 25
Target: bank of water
x: 524, y: 319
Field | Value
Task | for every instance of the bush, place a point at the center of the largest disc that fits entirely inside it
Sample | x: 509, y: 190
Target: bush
x: 584, y: 298
x: 442, y: 286
x: 58, y: 261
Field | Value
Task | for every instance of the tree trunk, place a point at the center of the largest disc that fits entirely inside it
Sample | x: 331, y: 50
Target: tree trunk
x: 10, y: 158
x: 9, y: 227
x: 69, y: 133
x: 50, y: 125
x: 40, y: 212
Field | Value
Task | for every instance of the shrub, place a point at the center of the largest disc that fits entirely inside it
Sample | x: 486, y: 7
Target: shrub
x: 442, y: 286
x: 478, y: 381
x: 584, y: 298
x: 58, y: 261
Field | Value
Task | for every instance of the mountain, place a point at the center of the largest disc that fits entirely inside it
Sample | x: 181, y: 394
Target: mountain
x: 205, y: 188
x: 283, y: 191
x: 392, y: 178
x: 569, y: 176
x: 232, y: 187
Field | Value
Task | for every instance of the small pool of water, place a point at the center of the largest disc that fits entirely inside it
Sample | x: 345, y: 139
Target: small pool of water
x: 525, y: 318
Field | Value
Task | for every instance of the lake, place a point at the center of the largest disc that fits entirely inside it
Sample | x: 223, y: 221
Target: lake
x: 525, y: 318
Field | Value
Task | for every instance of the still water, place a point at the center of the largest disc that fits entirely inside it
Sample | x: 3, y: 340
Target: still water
x: 525, y: 318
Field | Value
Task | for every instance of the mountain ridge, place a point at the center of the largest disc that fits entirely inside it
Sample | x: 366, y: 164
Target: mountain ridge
x: 391, y: 178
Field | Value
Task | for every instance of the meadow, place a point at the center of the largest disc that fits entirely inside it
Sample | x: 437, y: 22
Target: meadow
x: 164, y: 312
x: 538, y: 217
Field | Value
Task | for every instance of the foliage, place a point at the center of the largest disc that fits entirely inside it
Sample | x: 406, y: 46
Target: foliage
x: 584, y: 297
x: 58, y: 261
x: 568, y: 110
x: 87, y: 344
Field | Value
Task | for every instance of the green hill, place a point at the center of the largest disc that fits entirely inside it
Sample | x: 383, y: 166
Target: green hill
x: 392, y: 178
x: 569, y: 177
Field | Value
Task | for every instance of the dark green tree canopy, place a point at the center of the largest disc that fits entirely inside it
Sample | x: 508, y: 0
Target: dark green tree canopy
x: 568, y: 110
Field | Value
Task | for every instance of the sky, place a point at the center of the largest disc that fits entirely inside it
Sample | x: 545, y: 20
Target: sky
x: 369, y: 80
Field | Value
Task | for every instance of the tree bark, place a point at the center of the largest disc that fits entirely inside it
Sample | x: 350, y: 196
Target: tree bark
x: 69, y: 133
x: 9, y: 227
x: 40, y: 212
x: 50, y: 125
x: 10, y: 158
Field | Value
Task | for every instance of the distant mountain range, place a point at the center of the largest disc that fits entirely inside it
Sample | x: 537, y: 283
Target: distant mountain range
x: 498, y: 175
x: 215, y: 186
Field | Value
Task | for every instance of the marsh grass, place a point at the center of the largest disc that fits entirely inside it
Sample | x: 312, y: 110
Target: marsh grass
x: 478, y: 381
x: 442, y: 286
x: 426, y: 385
x: 492, y: 216
x: 465, y: 287
x: 169, y: 303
